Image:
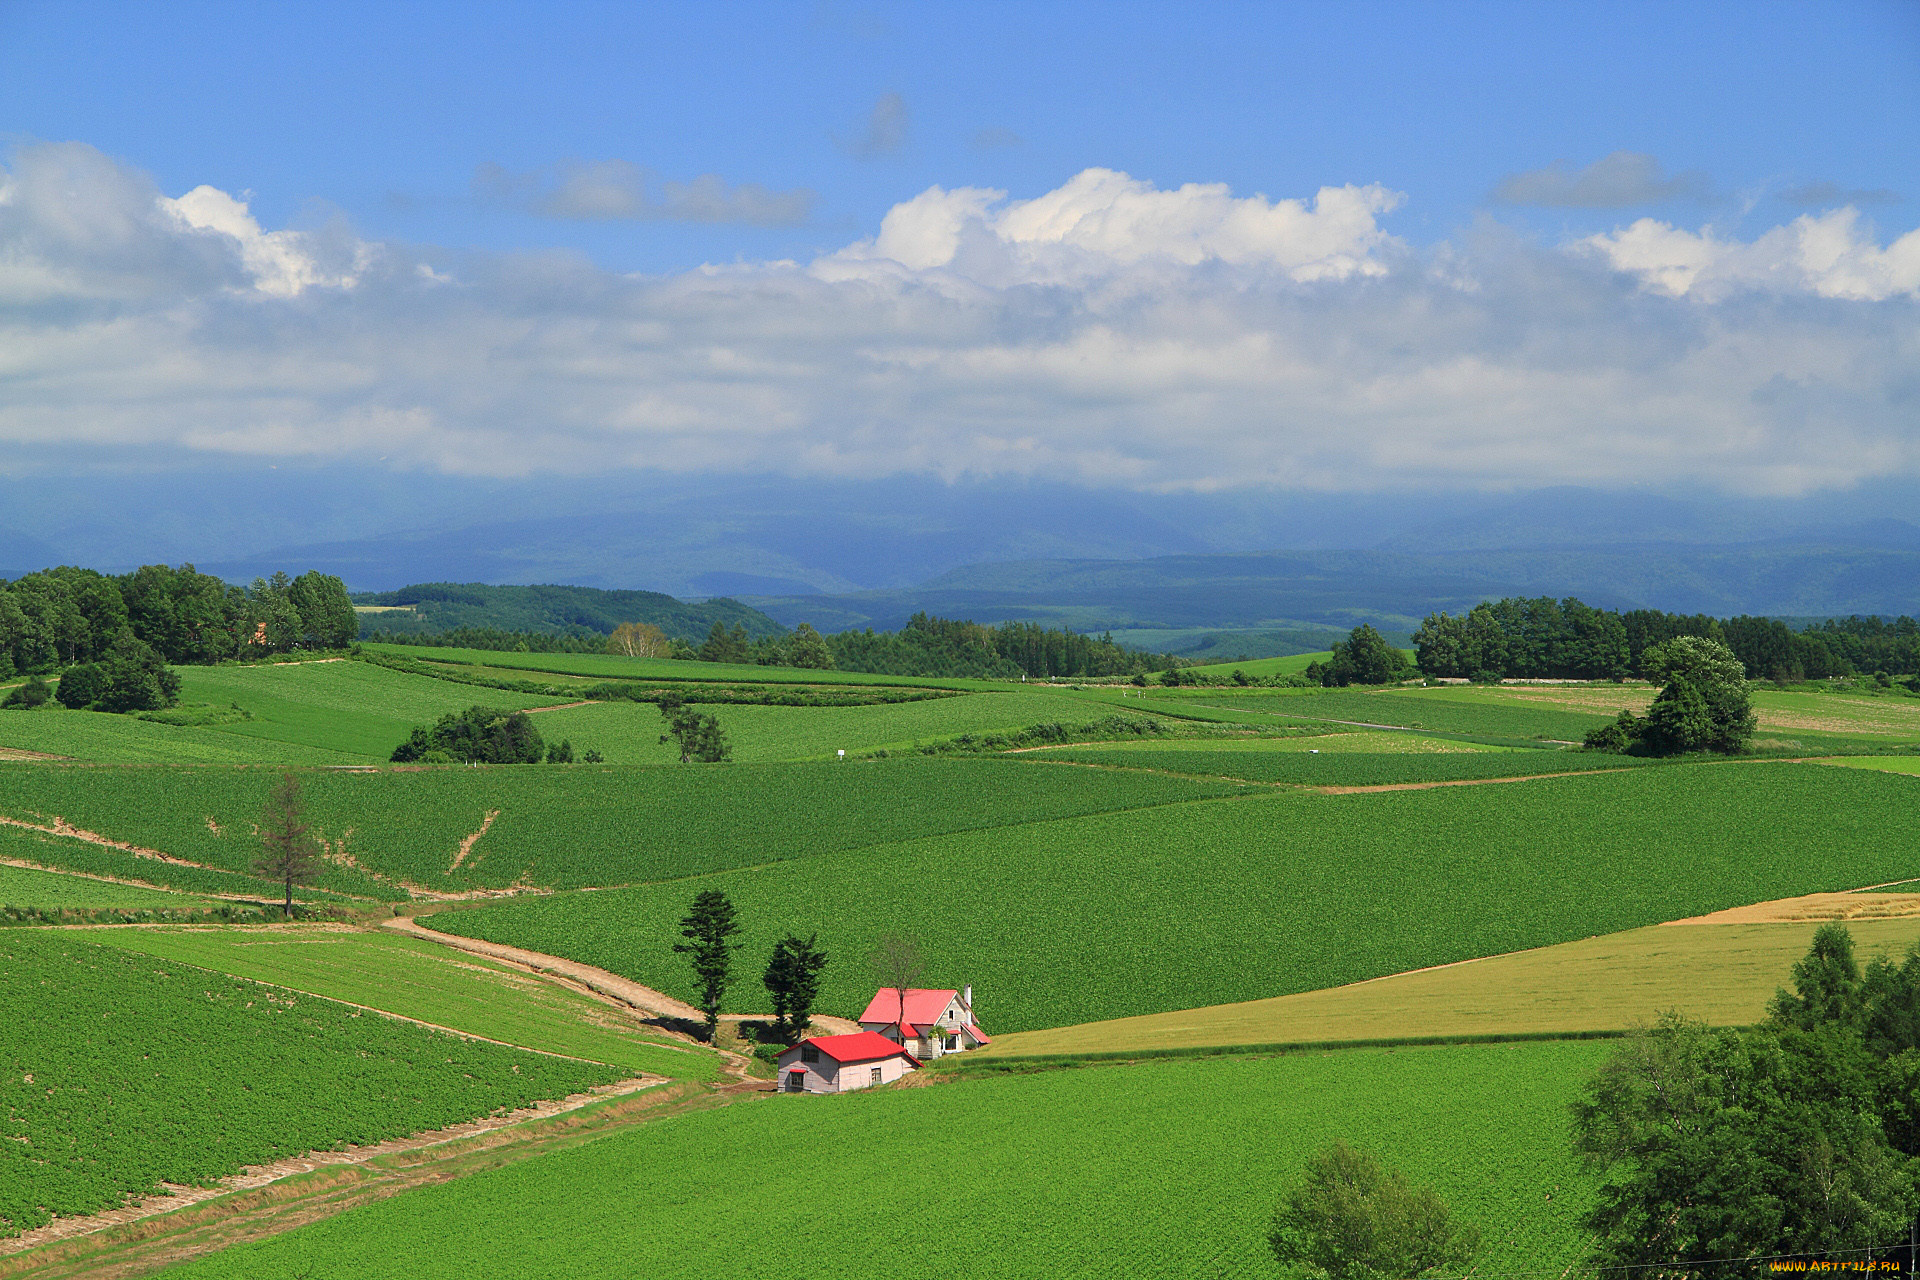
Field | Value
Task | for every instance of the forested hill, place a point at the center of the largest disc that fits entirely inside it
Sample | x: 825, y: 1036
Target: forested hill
x: 440, y: 608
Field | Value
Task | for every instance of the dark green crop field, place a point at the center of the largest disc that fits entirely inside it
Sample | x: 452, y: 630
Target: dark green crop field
x: 69, y: 854
x: 1109, y: 915
x: 562, y: 827
x: 1166, y: 1169
x: 120, y: 1071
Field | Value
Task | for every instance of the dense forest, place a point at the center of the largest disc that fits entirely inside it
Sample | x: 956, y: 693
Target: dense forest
x: 1564, y: 639
x: 929, y: 646
x: 67, y: 616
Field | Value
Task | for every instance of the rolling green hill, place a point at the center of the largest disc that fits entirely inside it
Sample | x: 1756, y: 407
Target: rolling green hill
x: 433, y: 607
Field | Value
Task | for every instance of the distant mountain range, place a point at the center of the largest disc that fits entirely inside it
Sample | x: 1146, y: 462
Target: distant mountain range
x: 1174, y: 572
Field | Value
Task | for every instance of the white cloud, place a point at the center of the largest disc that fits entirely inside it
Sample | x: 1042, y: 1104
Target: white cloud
x: 1105, y: 332
x: 1827, y: 254
x: 1102, y: 221
x: 280, y: 262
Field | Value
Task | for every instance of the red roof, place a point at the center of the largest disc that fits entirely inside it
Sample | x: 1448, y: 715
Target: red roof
x: 864, y: 1046
x: 978, y: 1034
x: 923, y: 1006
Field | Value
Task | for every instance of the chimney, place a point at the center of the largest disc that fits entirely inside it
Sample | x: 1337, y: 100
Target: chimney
x: 966, y: 999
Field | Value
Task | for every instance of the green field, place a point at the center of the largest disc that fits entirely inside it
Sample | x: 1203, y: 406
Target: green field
x: 46, y: 890
x: 352, y: 707
x: 1205, y: 903
x: 1340, y: 768
x: 629, y: 732
x: 111, y: 739
x: 1157, y: 1169
x: 612, y: 667
x: 68, y: 854
x: 425, y: 981
x: 131, y: 1071
x: 564, y: 827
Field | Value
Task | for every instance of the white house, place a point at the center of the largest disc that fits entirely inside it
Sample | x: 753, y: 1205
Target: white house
x: 836, y: 1064
x: 928, y: 1023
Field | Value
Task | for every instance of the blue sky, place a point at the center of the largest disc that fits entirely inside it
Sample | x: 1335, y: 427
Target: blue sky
x: 1167, y: 248
x: 384, y: 111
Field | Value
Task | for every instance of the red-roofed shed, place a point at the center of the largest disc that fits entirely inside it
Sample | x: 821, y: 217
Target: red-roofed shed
x: 836, y: 1064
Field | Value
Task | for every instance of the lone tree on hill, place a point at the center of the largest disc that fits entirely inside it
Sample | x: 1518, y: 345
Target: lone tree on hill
x: 793, y: 979
x: 1703, y: 704
x: 898, y: 963
x: 697, y: 734
x: 1350, y: 1219
x: 707, y: 927
x: 290, y: 851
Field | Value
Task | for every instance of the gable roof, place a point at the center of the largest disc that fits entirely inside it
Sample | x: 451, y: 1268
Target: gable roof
x: 924, y: 1005
x: 863, y: 1046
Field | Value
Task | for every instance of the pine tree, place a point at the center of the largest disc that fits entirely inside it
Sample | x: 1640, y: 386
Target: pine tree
x: 707, y: 927
x: 290, y: 851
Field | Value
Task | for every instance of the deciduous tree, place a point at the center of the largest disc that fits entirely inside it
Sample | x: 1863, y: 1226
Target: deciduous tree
x: 897, y: 962
x: 290, y: 851
x: 1348, y: 1218
x: 638, y: 640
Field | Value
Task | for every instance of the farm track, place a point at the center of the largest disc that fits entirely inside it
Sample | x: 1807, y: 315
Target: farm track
x: 608, y: 988
x: 268, y: 1200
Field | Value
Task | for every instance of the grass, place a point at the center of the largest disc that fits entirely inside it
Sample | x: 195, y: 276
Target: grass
x: 569, y: 827
x: 424, y: 981
x: 629, y: 732
x: 351, y: 707
x: 1155, y: 1169
x: 1723, y: 973
x: 132, y: 1071
x: 47, y: 890
x: 613, y: 667
x: 1108, y: 916
x: 113, y: 739
x: 1782, y: 714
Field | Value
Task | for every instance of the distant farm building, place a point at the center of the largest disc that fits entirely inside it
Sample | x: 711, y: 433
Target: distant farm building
x: 928, y: 1024
x: 837, y: 1064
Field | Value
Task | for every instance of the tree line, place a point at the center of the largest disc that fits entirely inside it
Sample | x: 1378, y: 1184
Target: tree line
x: 945, y: 647
x: 1566, y: 639
x: 67, y: 616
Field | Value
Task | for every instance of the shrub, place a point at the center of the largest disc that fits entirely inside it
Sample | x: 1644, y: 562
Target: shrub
x: 481, y: 735
x: 82, y: 686
x: 34, y: 693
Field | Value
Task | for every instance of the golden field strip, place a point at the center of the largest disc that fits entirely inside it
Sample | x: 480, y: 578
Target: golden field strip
x: 1723, y: 973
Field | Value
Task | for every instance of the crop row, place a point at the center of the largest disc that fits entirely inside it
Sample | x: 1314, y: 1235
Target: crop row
x: 1104, y: 916
x: 566, y: 827
x: 119, y: 1072
x: 1167, y: 1169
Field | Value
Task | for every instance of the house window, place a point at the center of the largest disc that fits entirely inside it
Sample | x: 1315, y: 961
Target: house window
x: 953, y: 1043
x: 876, y: 1076
x: 809, y: 1054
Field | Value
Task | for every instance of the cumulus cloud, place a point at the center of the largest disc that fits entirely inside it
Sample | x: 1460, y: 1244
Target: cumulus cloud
x: 1106, y: 332
x: 619, y: 190
x: 1616, y: 181
x: 1830, y: 255
x: 883, y: 132
x: 1103, y: 220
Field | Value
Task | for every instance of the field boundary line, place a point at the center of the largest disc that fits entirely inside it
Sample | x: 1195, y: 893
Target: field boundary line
x: 1095, y: 1057
x: 256, y: 1177
x: 24, y: 865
